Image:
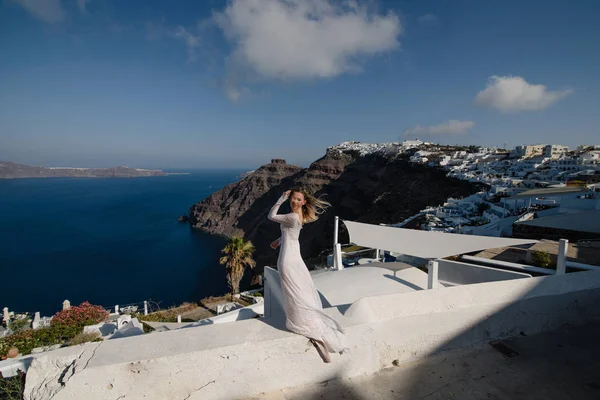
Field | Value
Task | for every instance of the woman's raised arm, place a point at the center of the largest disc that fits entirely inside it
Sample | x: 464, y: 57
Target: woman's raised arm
x: 285, y: 219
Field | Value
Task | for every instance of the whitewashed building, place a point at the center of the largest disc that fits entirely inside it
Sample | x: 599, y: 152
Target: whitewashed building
x: 554, y: 151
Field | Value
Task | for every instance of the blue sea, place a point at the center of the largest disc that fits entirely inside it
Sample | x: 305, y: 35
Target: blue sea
x: 106, y: 241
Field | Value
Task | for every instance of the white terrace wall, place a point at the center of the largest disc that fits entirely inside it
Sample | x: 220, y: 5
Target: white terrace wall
x: 245, y: 358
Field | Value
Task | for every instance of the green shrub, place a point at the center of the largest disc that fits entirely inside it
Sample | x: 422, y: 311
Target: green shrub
x: 541, y: 258
x: 12, y: 388
x: 65, y: 325
x: 168, y: 315
x: 27, y: 340
x: 147, y: 328
x: 17, y: 325
x: 83, y: 337
x: 162, y: 318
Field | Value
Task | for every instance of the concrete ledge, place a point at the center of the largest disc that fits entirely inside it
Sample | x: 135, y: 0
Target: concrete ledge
x: 228, y: 361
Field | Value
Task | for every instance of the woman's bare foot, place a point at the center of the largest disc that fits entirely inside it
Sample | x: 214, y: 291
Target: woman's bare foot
x: 322, y: 350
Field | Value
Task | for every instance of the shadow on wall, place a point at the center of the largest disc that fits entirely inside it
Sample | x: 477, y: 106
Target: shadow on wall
x: 523, y: 368
x: 503, y: 356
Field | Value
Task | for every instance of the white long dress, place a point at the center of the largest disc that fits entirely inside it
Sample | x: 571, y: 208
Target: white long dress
x: 303, y: 307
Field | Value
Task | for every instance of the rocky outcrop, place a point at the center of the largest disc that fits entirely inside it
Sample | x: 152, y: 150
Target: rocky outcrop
x: 374, y: 188
x: 9, y: 170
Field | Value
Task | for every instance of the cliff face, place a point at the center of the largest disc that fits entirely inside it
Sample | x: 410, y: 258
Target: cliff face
x: 234, y: 209
x: 373, y: 189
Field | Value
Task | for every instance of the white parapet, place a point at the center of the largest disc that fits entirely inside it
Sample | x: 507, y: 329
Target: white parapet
x: 226, y: 361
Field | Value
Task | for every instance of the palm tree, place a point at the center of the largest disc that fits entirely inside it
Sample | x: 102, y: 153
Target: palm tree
x: 238, y: 255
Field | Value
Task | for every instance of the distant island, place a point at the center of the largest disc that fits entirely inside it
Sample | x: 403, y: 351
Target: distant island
x: 10, y: 170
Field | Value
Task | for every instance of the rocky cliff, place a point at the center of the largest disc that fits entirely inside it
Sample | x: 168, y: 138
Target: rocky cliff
x: 378, y: 187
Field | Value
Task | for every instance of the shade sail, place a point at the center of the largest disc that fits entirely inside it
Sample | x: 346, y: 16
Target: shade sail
x: 424, y: 244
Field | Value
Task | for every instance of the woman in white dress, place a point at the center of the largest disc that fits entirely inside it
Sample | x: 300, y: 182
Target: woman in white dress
x: 303, y: 307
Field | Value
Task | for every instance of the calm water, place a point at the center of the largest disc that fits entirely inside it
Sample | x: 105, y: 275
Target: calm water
x: 107, y: 241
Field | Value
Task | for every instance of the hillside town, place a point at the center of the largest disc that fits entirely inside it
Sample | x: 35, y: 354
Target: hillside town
x: 523, y: 184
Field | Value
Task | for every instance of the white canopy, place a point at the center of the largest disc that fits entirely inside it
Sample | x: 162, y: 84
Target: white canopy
x: 424, y: 244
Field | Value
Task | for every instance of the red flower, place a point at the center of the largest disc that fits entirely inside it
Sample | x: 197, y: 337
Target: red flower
x: 82, y: 315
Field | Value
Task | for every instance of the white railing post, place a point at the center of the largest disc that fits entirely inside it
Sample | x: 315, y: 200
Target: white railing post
x: 117, y: 309
x: 337, y: 261
x: 266, y: 295
x: 179, y: 319
x: 36, y: 320
x: 432, y: 275
x: 561, y: 260
x: 336, y: 226
x: 336, y: 254
x: 145, y: 307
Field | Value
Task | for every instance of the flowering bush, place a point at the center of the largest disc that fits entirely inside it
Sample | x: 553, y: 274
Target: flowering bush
x: 27, y: 340
x: 65, y: 325
x: 80, y: 316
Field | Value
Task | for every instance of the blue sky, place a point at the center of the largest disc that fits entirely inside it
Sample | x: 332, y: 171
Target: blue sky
x: 183, y: 84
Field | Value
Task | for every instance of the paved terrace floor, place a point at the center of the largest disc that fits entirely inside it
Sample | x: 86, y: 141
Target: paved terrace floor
x: 551, y: 366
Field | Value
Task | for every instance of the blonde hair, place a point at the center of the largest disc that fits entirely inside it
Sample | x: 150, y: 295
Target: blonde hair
x: 313, y: 206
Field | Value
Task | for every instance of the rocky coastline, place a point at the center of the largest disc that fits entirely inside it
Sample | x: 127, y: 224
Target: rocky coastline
x: 10, y: 170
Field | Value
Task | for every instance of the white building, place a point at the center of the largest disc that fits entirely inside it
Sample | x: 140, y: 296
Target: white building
x: 412, y: 143
x: 567, y: 164
x: 554, y: 151
x: 590, y: 157
x: 530, y: 150
x: 588, y: 146
x: 420, y: 156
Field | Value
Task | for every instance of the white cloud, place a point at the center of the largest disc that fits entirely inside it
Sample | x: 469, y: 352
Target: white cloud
x: 427, y: 19
x: 451, y: 127
x: 47, y: 10
x: 513, y: 94
x: 290, y: 40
